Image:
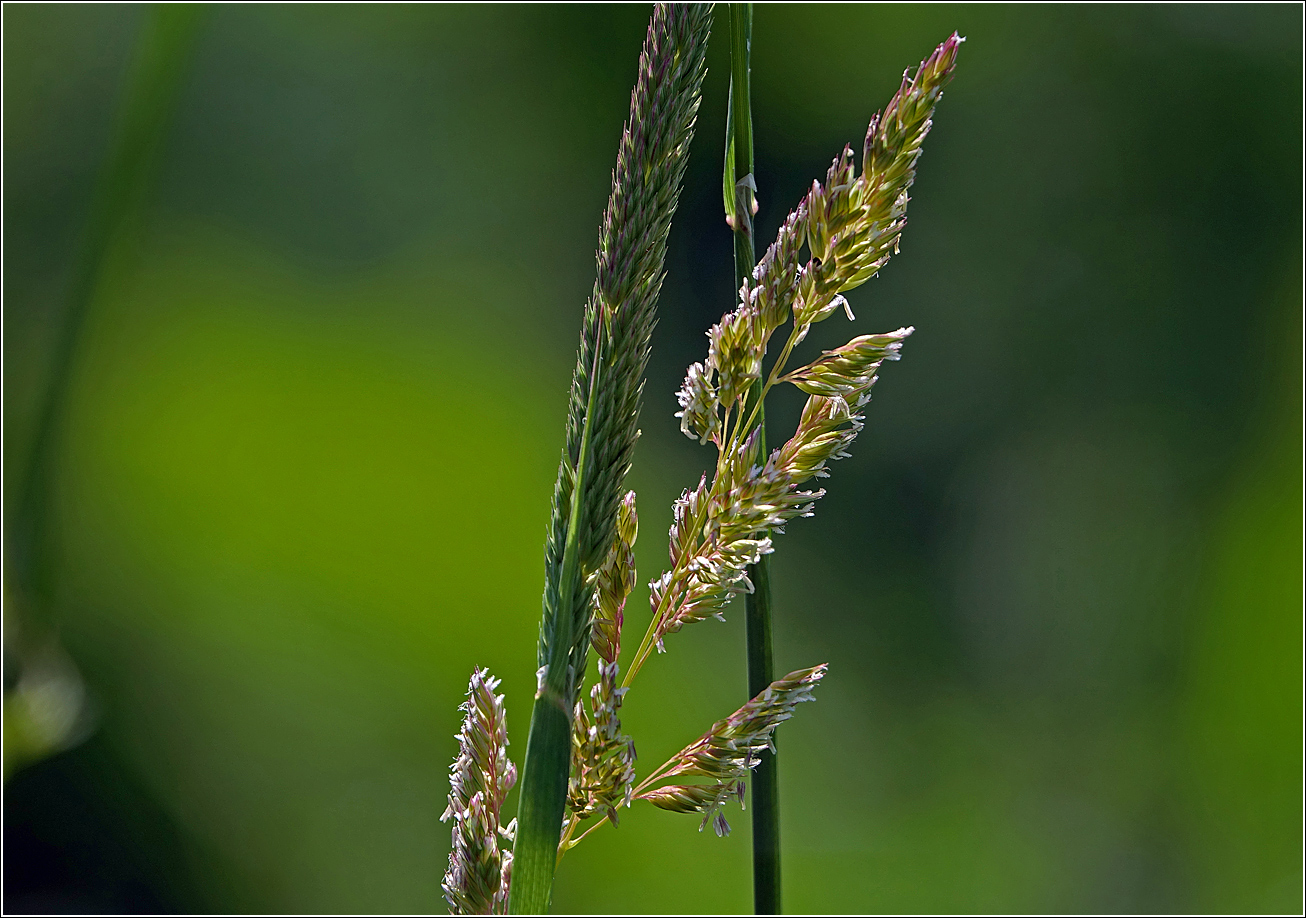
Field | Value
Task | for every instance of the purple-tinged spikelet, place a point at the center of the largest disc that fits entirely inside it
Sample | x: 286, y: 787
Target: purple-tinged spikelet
x: 618, y: 322
x: 603, y: 416
x: 480, y: 863
x: 730, y: 748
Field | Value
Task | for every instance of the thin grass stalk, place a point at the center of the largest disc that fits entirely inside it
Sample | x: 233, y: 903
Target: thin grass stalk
x: 118, y: 202
x: 757, y: 604
x: 603, y: 414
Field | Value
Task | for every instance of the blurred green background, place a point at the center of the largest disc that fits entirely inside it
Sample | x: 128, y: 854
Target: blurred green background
x: 315, y: 409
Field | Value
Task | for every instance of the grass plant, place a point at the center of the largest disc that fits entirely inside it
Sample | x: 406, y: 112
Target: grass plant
x: 579, y: 769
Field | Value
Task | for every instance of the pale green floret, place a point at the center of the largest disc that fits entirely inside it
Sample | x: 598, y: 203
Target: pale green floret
x: 698, y: 405
x: 602, y: 757
x: 848, y: 370
x: 613, y: 583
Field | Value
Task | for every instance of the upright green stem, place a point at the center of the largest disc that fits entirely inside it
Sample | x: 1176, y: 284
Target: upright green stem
x: 766, y: 811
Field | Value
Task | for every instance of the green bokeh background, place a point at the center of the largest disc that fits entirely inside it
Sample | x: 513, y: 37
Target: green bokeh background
x: 315, y: 415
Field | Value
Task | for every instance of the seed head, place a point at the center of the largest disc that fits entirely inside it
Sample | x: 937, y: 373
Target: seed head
x: 617, y: 326
x: 480, y: 862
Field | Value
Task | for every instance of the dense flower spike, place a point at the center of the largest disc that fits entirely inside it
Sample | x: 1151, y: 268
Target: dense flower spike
x: 726, y: 752
x: 480, y: 863
x: 603, y: 414
x: 602, y: 421
x: 602, y: 757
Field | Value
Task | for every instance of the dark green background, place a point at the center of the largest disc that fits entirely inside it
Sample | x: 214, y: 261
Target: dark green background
x: 315, y: 417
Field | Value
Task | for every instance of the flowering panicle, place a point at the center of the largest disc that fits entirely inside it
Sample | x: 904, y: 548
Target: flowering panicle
x: 840, y: 234
x: 729, y: 749
x: 480, y: 863
x: 850, y: 225
x: 602, y: 757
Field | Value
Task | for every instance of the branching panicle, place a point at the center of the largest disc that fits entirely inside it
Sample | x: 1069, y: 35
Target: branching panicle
x: 480, y: 862
x: 840, y: 234
x: 850, y: 226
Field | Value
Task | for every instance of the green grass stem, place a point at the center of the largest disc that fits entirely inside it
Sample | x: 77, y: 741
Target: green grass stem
x: 761, y: 671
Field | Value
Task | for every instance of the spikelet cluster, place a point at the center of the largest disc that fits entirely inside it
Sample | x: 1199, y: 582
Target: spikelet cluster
x: 841, y: 233
x: 613, y: 583
x: 603, y: 414
x: 729, y: 749
x: 849, y: 227
x: 480, y: 862
x: 602, y: 757
x: 838, y: 237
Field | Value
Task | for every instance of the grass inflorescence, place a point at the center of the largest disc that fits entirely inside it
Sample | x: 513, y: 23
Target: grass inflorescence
x: 580, y: 767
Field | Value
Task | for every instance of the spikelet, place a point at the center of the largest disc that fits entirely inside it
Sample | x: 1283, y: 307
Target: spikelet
x: 613, y: 583
x: 480, y: 862
x: 730, y: 748
x: 848, y: 372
